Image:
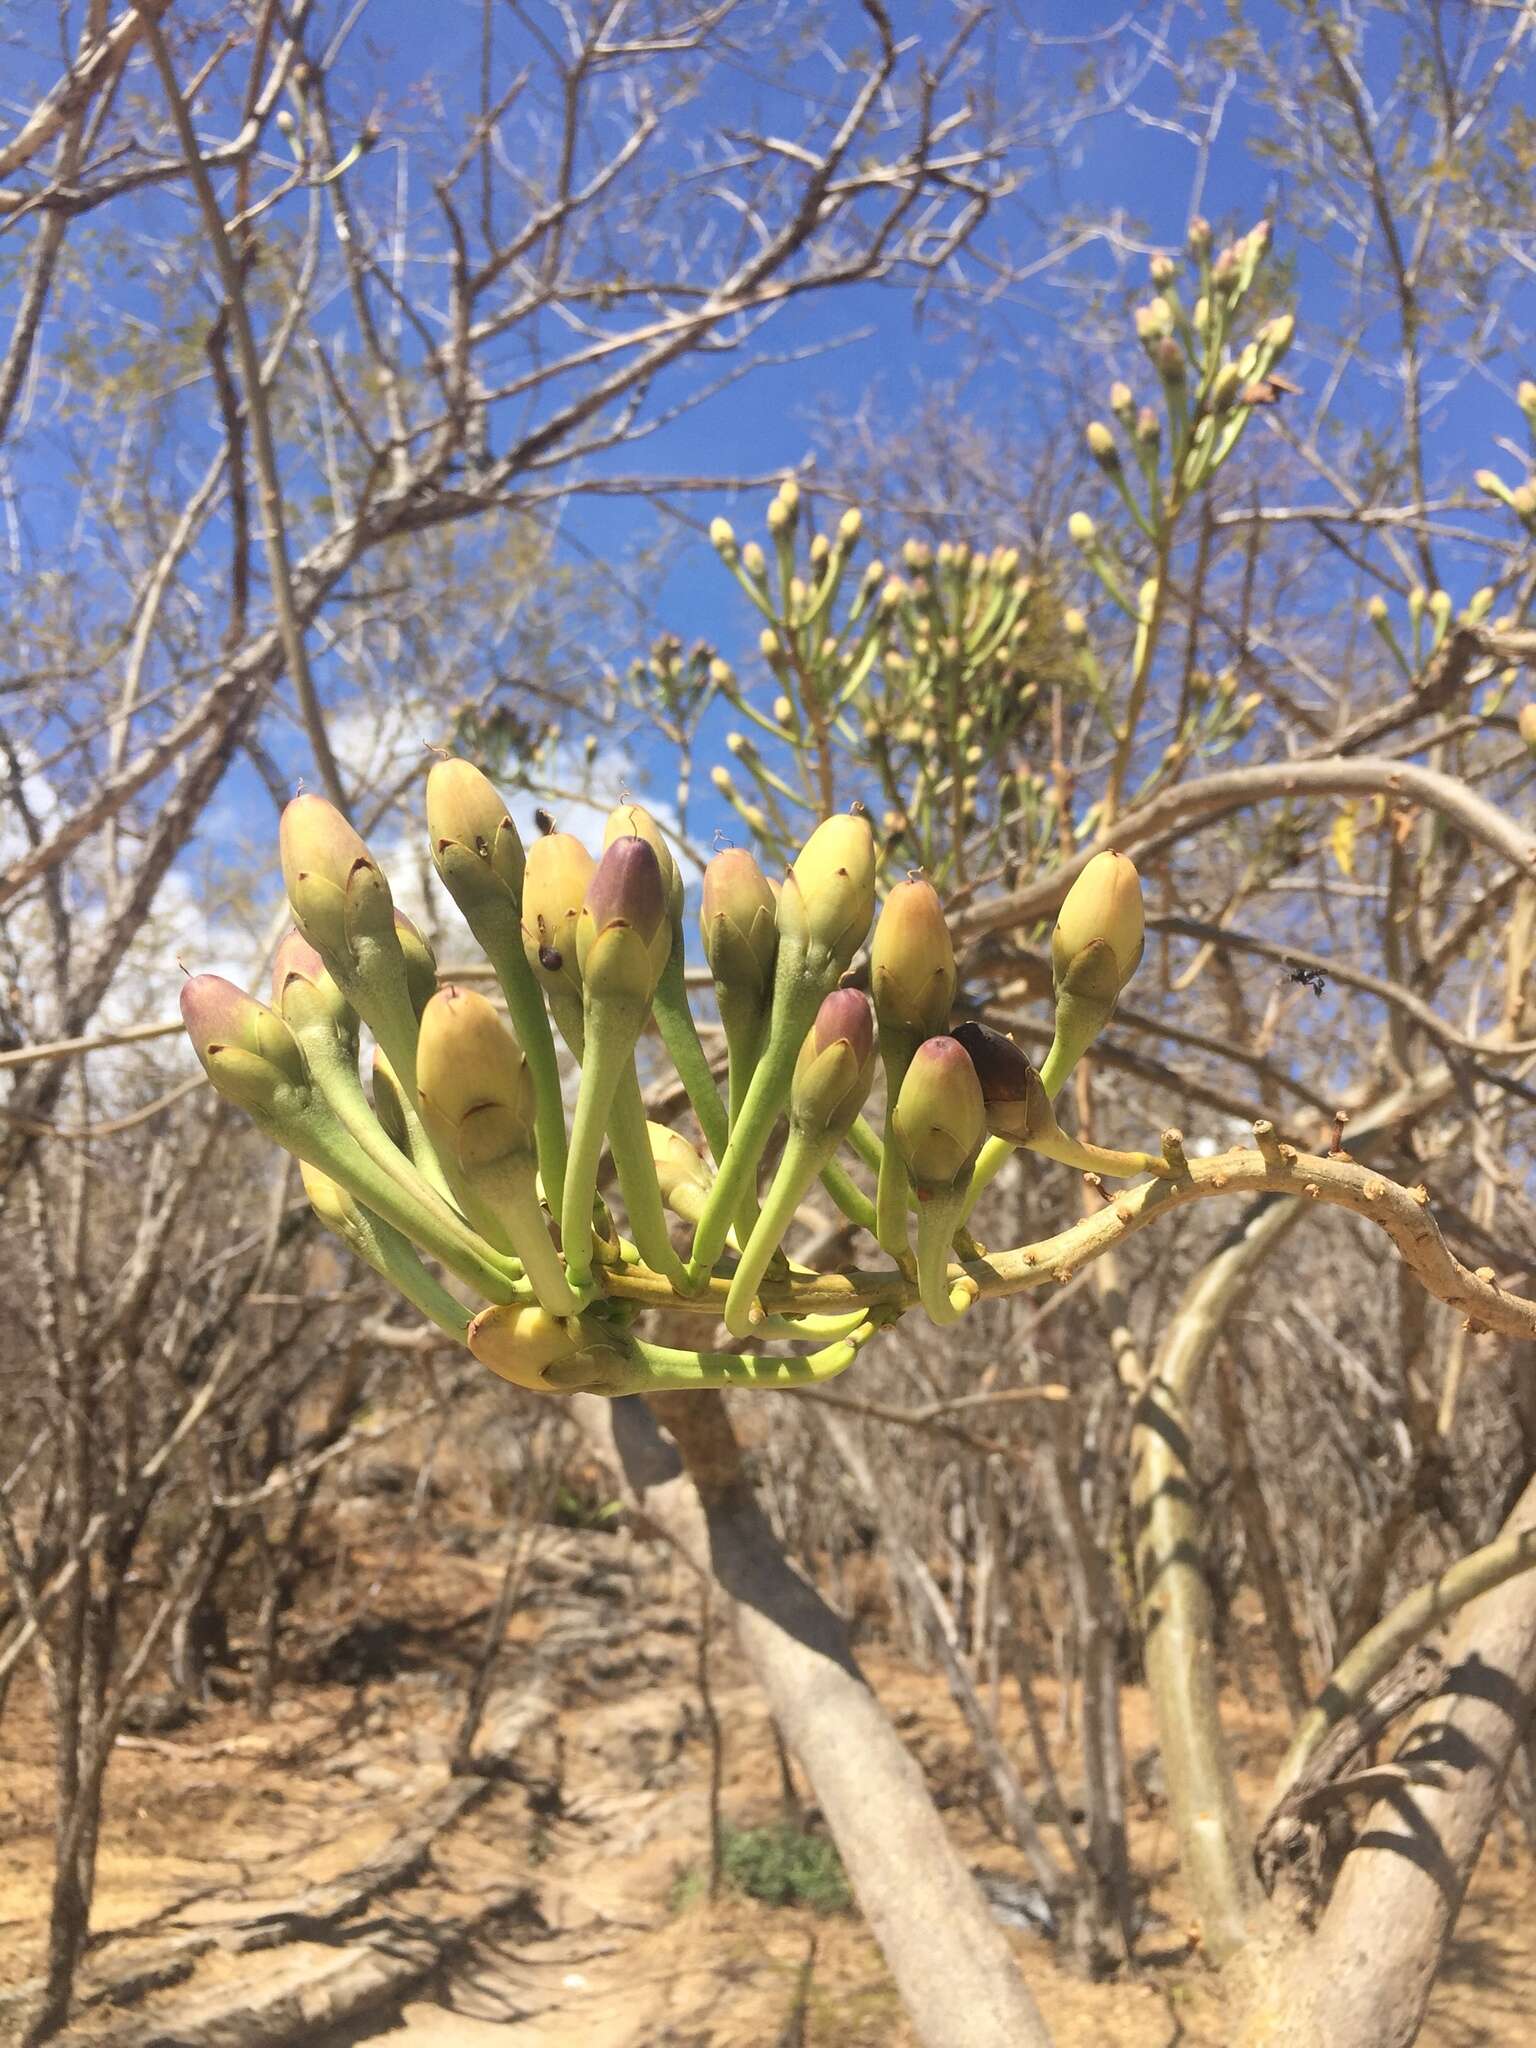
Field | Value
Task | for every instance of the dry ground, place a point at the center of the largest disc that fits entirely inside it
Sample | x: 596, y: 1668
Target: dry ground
x: 544, y: 1911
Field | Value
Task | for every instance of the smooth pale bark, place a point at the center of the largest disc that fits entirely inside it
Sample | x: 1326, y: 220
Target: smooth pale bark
x: 952, y: 1966
x: 1364, y: 1979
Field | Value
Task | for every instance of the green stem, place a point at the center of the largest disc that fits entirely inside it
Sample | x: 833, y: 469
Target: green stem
x: 313, y: 1132
x: 675, y: 1021
x: 336, y: 1078
x: 849, y: 1197
x: 1079, y: 1020
x: 994, y: 1156
x: 938, y: 1218
x: 508, y: 1190
x: 1086, y: 1158
x: 797, y: 995
x: 393, y: 1256
x: 498, y: 932
x: 893, y: 1191
x: 803, y: 1159
x: 610, y: 1027
x: 630, y: 1143
x: 671, y: 1370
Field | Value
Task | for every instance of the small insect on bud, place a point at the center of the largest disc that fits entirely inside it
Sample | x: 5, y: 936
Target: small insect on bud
x: 940, y: 1118
x: 476, y: 846
x: 554, y: 887
x: 912, y: 962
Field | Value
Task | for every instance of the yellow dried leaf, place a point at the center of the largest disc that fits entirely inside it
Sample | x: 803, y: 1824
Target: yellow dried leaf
x: 1342, y: 841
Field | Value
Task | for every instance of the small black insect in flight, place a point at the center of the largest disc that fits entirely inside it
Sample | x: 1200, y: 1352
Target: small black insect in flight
x: 1307, y: 977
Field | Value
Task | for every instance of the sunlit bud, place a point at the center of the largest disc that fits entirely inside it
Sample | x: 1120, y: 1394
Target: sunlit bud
x: 1224, y: 387
x: 1122, y: 401
x: 828, y: 897
x: 1198, y: 239
x: 836, y: 1065
x: 1015, y: 1103
x: 780, y: 519
x: 737, y: 925
x: 1489, y: 481
x: 1154, y: 320
x: 798, y: 592
x: 912, y: 961
x: 1102, y: 916
x: 1259, y: 237
x: 554, y: 887
x: 1149, y: 428
x: 893, y: 593
x: 547, y: 1354
x: 284, y: 122
x: 1081, y: 529
x: 1074, y: 625
x: 1201, y: 313
x: 754, y: 561
x: 624, y: 933
x: 1169, y: 357
x: 917, y: 555
x: 1525, y: 398
x: 850, y: 526
x: 783, y: 711
x: 475, y: 845
x: 769, y: 647
x: 1276, y: 334
x: 1440, y: 609
x: 1162, y: 270
x: 789, y: 496
x: 721, y: 778
x: 334, y: 885
x: 477, y: 1096
x: 722, y: 538
x: 1376, y: 610
x: 738, y: 744
x: 682, y: 1175
x: 246, y: 1050
x: 940, y: 1118
x: 1527, y: 725
x: 1101, y: 446
x: 1522, y: 502
x: 755, y: 818
x: 1479, y: 604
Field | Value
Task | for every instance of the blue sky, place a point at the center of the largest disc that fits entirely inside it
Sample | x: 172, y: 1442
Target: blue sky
x: 409, y: 61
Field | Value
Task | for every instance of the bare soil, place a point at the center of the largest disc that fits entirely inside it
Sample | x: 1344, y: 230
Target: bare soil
x: 250, y: 1886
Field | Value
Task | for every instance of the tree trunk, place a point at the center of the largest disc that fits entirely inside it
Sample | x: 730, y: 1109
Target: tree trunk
x: 1364, y: 1979
x: 952, y: 1966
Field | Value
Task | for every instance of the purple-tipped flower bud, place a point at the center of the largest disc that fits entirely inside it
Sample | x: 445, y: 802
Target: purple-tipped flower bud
x: 624, y: 933
x: 836, y: 1065
x: 476, y: 1094
x: 828, y: 897
x: 940, y: 1117
x: 246, y: 1050
x: 334, y: 884
x: 737, y: 924
x: 554, y: 886
x: 475, y: 845
x: 304, y: 993
x: 1099, y: 928
x: 912, y: 961
x: 634, y: 821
